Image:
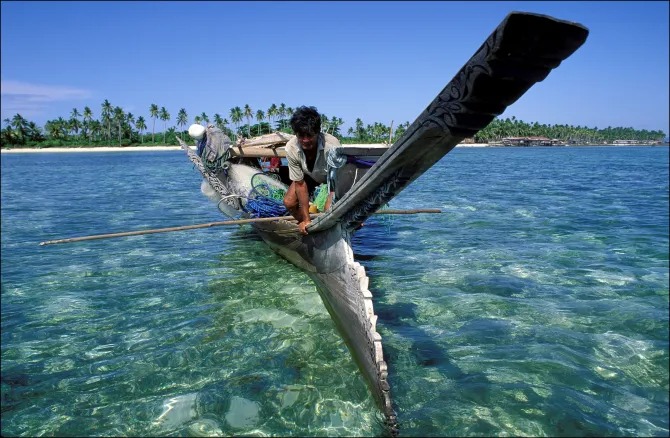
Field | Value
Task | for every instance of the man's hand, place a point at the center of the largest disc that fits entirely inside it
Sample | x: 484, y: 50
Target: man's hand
x: 302, y: 226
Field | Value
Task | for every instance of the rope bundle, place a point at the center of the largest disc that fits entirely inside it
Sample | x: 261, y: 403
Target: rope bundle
x: 261, y: 206
x: 265, y: 201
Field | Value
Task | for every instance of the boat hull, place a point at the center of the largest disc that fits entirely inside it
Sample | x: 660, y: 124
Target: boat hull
x: 342, y: 283
x: 328, y: 259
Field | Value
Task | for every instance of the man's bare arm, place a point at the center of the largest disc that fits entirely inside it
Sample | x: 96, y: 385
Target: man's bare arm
x: 303, y: 205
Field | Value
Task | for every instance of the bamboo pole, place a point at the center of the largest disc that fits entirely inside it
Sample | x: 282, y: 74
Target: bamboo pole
x: 218, y: 224
x: 391, y: 134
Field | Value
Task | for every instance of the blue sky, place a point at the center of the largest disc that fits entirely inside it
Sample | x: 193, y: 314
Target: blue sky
x: 378, y: 61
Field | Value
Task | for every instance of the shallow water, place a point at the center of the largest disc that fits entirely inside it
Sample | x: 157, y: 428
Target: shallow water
x: 535, y: 304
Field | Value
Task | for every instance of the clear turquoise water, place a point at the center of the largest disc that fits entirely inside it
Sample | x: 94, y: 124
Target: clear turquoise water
x: 535, y: 304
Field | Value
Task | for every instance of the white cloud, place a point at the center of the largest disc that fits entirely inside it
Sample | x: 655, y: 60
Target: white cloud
x: 35, y: 99
x: 42, y: 93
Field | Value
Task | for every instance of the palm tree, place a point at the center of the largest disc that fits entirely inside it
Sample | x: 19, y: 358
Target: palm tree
x: 165, y: 117
x: 63, y: 129
x: 204, y: 118
x: 96, y: 129
x: 34, y: 132
x: 335, y: 123
x: 171, y: 130
x: 106, y: 117
x: 88, y: 116
x: 119, y: 117
x: 20, y: 126
x: 74, y: 121
x: 272, y: 112
x: 400, y: 130
x: 224, y: 123
x: 324, y: 122
x: 53, y: 129
x: 289, y: 114
x: 153, y: 111
x: 248, y: 114
x: 236, y: 117
x: 182, y: 118
x: 130, y: 119
x: 27, y: 130
x: 7, y: 133
x: 141, y: 126
x: 282, y: 114
x: 260, y: 115
x: 74, y: 125
x: 359, y: 131
x: 218, y: 121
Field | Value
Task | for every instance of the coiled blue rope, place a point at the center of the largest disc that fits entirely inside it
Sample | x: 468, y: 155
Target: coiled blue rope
x: 262, y: 206
x: 265, y: 201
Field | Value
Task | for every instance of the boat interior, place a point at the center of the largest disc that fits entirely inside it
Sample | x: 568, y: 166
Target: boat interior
x: 271, y: 158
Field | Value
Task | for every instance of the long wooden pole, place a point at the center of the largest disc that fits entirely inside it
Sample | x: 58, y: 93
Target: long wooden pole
x: 218, y: 224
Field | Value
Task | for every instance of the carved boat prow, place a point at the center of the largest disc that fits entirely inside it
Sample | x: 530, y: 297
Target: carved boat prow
x: 521, y: 51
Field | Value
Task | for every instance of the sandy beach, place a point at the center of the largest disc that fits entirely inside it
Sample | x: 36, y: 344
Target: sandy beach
x: 156, y: 148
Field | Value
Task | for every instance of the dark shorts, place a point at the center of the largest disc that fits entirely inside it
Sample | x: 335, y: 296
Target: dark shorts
x: 311, y: 185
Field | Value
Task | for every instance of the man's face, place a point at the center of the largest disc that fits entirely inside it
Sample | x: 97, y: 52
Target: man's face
x: 308, y: 141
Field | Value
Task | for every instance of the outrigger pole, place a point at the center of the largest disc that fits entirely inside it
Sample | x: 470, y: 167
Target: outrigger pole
x: 218, y: 224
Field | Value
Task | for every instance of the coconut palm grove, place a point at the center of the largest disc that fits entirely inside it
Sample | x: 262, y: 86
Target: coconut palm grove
x: 115, y: 127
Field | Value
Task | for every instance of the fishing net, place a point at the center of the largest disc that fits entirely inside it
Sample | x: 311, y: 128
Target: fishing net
x: 265, y: 200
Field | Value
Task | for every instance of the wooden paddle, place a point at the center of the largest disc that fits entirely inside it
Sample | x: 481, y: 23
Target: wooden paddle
x: 217, y: 224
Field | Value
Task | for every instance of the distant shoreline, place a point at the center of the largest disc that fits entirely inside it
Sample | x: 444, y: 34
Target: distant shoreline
x: 155, y: 148
x: 177, y: 148
x: 93, y: 149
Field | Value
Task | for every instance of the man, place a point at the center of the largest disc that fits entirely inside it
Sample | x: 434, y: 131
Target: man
x: 306, y: 156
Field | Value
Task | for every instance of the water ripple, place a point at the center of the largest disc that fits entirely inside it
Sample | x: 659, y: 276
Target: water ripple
x: 536, y: 304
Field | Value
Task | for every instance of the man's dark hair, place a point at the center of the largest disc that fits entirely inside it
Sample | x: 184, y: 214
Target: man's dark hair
x: 306, y: 120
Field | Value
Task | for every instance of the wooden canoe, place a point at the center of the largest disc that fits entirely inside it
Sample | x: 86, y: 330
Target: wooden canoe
x: 521, y: 51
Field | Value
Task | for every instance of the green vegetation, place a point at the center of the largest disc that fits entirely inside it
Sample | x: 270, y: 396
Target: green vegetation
x: 499, y: 129
x: 118, y: 128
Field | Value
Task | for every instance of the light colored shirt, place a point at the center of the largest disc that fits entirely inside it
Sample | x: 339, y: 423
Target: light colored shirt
x: 297, y: 162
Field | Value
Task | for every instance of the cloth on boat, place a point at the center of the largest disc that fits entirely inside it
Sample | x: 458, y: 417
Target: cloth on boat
x: 274, y: 139
x: 320, y: 198
x: 297, y: 162
x: 275, y: 162
x: 271, y: 164
x: 213, y: 146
